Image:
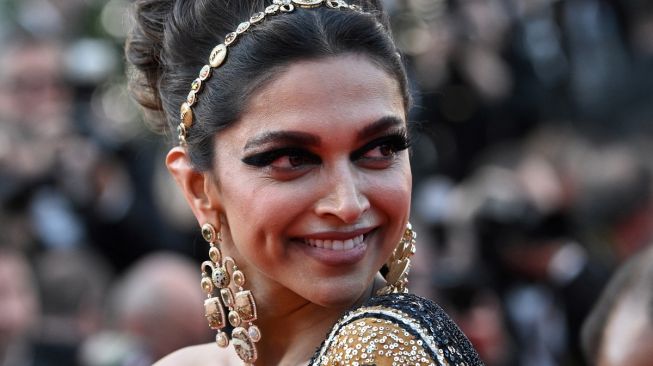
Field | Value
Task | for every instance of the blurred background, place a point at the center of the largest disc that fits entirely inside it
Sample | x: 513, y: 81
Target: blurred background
x: 532, y: 146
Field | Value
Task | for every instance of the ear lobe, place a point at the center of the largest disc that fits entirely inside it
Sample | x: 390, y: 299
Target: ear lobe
x: 197, y: 187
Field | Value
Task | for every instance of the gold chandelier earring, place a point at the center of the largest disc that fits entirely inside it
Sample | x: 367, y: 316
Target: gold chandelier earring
x: 398, y: 264
x: 227, y: 300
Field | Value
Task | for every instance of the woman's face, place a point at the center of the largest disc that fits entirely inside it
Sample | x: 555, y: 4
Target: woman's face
x: 314, y: 180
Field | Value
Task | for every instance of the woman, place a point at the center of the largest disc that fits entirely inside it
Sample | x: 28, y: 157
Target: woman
x: 292, y: 154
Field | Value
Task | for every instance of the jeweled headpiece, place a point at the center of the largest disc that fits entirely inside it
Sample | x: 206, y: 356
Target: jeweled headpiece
x: 219, y: 52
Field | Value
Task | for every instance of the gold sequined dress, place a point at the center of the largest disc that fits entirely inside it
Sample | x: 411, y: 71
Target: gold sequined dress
x: 396, y: 329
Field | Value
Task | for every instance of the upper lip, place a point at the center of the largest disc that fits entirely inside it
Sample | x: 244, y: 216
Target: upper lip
x: 338, y: 234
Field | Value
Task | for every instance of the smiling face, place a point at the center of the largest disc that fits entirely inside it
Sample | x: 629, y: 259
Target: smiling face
x: 314, y: 180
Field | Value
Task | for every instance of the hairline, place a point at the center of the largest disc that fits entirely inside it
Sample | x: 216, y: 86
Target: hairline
x: 257, y: 86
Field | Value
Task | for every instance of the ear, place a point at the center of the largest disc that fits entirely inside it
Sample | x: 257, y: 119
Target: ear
x: 199, y: 188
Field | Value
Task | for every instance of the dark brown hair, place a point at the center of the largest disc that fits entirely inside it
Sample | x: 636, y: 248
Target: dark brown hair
x: 171, y: 41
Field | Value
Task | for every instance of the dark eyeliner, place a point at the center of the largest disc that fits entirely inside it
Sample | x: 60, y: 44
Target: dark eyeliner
x: 266, y: 158
x: 397, y: 141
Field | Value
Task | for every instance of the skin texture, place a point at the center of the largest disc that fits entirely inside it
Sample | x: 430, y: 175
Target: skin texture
x: 343, y: 177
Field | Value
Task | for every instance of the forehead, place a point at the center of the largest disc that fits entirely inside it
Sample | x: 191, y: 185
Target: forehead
x: 347, y: 88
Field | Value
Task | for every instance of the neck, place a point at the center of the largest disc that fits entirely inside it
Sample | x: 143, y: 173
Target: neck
x: 293, y: 328
x: 292, y: 338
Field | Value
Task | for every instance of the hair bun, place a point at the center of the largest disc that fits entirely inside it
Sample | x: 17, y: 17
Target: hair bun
x: 143, y: 50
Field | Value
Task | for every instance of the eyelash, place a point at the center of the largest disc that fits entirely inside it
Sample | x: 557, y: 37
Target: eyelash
x: 396, y: 142
x: 266, y: 158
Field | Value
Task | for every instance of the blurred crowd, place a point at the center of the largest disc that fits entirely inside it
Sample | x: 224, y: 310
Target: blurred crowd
x: 531, y: 150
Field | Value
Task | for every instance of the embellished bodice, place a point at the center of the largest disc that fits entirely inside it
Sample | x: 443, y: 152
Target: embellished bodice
x: 396, y: 329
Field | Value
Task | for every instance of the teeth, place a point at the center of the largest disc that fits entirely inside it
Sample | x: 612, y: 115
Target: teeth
x: 336, y: 244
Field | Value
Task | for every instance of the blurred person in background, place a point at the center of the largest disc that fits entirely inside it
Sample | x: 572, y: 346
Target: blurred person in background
x: 62, y: 176
x: 546, y: 272
x: 448, y: 269
x: 555, y: 213
x: 511, y: 248
x: 19, y: 309
x: 152, y: 313
x: 34, y: 104
x: 36, y: 129
x: 619, y: 331
x: 73, y: 284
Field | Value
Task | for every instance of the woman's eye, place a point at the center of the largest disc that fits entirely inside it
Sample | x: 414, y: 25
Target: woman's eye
x: 290, y: 161
x: 381, y: 151
x: 282, y: 159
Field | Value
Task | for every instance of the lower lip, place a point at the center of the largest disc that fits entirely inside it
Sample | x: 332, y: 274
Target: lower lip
x: 337, y: 257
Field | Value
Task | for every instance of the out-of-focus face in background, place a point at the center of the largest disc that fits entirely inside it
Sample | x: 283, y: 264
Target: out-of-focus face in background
x: 18, y: 300
x: 35, y: 106
x: 33, y: 90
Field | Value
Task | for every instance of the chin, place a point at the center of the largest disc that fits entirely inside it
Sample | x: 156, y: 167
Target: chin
x: 338, y: 295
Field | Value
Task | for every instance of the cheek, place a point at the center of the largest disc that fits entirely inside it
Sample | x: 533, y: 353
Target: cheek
x: 265, y: 207
x: 393, y: 202
x: 258, y: 212
x: 392, y: 190
x: 390, y: 197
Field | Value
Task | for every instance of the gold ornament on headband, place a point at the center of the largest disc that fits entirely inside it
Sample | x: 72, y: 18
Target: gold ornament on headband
x: 219, y: 52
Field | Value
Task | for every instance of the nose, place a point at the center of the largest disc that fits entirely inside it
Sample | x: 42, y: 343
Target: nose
x: 343, y: 197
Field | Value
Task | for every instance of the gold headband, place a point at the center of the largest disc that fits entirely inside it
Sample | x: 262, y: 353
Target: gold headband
x: 219, y: 52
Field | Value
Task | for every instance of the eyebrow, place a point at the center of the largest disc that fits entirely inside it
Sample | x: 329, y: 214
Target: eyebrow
x: 283, y: 137
x: 381, y: 125
x: 306, y: 139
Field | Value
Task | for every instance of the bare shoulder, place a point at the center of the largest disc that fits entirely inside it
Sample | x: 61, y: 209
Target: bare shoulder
x: 201, y: 355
